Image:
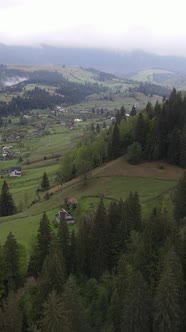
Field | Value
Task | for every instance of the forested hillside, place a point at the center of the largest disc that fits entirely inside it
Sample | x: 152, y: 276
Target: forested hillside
x: 120, y: 272
x: 120, y: 269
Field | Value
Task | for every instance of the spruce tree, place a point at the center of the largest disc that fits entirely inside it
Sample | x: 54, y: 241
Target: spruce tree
x: 11, y: 261
x: 168, y: 303
x: 42, y: 247
x: 53, y: 273
x: 173, y: 154
x: 74, y: 305
x: 45, y: 182
x: 11, y: 317
x: 115, y: 143
x: 113, y: 238
x: 141, y: 131
x: 136, y: 305
x: 133, y: 111
x: 54, y: 315
x: 133, y: 211
x: 149, y: 110
x: 7, y: 206
x: 73, y: 253
x: 64, y: 242
x: 180, y: 199
x: 85, y: 245
x: 99, y: 241
x: 182, y: 148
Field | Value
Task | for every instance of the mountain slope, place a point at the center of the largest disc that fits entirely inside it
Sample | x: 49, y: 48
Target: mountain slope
x: 120, y: 63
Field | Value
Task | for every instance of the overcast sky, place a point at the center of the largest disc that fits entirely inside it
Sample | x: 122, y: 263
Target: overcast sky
x: 158, y: 26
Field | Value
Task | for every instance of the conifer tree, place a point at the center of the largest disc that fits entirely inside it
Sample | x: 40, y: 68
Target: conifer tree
x: 64, y: 241
x: 180, y: 199
x: 115, y: 143
x: 11, y: 316
x: 182, y: 148
x: 54, y: 315
x: 173, y: 154
x: 136, y: 305
x: 85, y: 245
x: 53, y: 273
x: 149, y: 110
x: 11, y: 261
x: 133, y: 211
x: 99, y: 241
x: 133, y: 111
x: 41, y: 250
x: 113, y: 237
x: 124, y: 227
x: 140, y: 131
x: 119, y: 290
x: 45, y: 182
x: 7, y: 206
x: 73, y: 253
x: 168, y: 315
x: 74, y: 305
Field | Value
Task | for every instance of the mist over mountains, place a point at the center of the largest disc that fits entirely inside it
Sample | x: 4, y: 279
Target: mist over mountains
x: 119, y: 63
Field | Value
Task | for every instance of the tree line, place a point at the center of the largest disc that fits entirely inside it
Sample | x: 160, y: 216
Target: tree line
x: 156, y: 133
x: 119, y: 272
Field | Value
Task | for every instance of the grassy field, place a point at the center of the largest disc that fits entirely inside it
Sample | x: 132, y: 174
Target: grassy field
x: 112, y: 181
x: 147, y: 75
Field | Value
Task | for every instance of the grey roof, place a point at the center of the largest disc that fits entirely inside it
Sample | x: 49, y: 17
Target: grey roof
x: 16, y: 168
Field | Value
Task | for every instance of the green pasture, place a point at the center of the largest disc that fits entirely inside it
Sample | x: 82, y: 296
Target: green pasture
x: 24, y: 225
x: 147, y: 75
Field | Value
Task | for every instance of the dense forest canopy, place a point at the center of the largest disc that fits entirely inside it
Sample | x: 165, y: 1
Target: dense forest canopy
x: 120, y: 271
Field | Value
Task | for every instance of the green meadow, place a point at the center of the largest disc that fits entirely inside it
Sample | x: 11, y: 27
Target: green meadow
x: 105, y: 182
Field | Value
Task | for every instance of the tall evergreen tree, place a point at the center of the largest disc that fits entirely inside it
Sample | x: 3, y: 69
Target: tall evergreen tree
x: 11, y: 261
x: 53, y: 273
x: 133, y: 111
x: 141, y: 131
x: 73, y: 259
x: 10, y: 315
x: 115, y: 143
x: 74, y: 305
x: 7, y: 206
x: 133, y: 211
x: 168, y: 315
x: 54, y: 315
x: 85, y: 245
x: 136, y: 305
x: 99, y: 241
x: 118, y: 294
x: 174, y: 154
x: 182, y: 146
x: 64, y: 242
x: 120, y: 115
x: 149, y: 110
x: 113, y: 237
x: 45, y: 182
x: 180, y: 199
x: 41, y: 250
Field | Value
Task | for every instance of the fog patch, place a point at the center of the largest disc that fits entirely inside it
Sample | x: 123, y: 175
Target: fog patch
x: 14, y: 80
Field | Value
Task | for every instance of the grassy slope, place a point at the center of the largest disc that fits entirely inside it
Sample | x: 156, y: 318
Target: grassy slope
x: 111, y: 181
x: 117, y: 86
x: 147, y: 75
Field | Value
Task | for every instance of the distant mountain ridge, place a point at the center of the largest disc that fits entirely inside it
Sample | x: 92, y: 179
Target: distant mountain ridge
x: 119, y: 63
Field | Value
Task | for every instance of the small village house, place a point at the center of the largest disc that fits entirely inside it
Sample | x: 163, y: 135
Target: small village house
x: 64, y: 214
x: 15, y: 171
